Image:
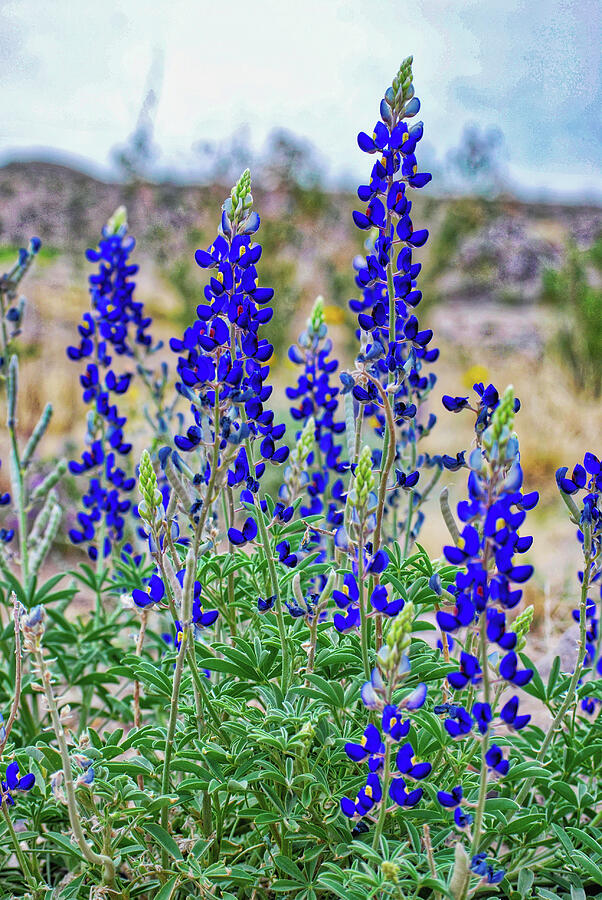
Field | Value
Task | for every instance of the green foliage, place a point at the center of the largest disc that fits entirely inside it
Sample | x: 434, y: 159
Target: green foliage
x: 252, y: 803
x: 574, y: 293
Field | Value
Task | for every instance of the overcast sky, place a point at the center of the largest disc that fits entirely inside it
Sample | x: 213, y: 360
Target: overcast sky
x: 74, y: 73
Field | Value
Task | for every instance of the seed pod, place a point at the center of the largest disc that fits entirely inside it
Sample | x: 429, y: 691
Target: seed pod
x: 50, y: 481
x: 37, y: 434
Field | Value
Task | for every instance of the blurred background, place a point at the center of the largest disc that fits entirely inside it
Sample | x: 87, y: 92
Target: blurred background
x: 160, y: 105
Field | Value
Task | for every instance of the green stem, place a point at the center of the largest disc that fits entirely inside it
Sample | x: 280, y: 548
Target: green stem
x: 19, y: 498
x: 18, y: 851
x: 171, y: 730
x: 362, y: 604
x: 478, y: 820
x: 383, y: 806
x: 98, y: 859
x: 570, y: 694
x: 265, y: 540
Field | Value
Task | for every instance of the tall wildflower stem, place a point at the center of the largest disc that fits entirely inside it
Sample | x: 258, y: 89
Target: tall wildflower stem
x: 24, y: 865
x: 97, y: 859
x: 483, y: 780
x: 571, y: 690
x: 265, y: 541
x: 187, y: 592
x: 362, y: 604
x: 18, y: 676
x: 18, y: 482
x: 383, y: 806
x: 387, y: 464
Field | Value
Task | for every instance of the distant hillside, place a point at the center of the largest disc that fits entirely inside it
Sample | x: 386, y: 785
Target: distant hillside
x: 66, y: 207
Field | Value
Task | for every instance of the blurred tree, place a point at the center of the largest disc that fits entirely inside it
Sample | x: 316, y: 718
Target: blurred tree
x: 476, y: 164
x: 134, y: 159
x: 221, y: 162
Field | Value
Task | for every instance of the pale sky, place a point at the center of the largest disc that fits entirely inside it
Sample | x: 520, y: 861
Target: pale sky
x: 74, y: 74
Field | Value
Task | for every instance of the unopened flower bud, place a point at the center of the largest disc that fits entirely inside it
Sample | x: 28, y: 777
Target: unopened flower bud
x: 364, y: 479
x: 317, y: 319
x: 497, y: 435
x: 399, y: 634
x: 390, y: 871
x: 118, y: 222
x: 522, y: 625
x: 33, y: 622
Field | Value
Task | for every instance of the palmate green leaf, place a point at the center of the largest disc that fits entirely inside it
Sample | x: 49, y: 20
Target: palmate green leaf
x: 587, y: 865
x: 590, y: 841
x: 565, y: 791
x: 164, y: 839
x: 329, y: 692
x: 526, y: 877
x: 62, y: 841
x: 168, y: 889
x: 531, y: 823
x: 536, y: 686
x: 289, y: 868
x: 152, y: 676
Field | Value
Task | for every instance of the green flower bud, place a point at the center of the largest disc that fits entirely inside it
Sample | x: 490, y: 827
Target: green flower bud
x: 118, y: 222
x: 522, y: 625
x: 390, y: 871
x: 147, y: 483
x: 305, y: 443
x: 317, y: 315
x: 364, y: 477
x: 298, y: 458
x: 496, y: 436
x: 399, y: 635
x: 240, y: 201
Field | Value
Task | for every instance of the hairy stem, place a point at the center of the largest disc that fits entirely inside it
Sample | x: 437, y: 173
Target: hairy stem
x: 97, y: 859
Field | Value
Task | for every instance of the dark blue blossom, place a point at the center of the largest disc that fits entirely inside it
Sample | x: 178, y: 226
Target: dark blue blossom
x: 14, y: 782
x: 223, y: 361
x: 451, y: 799
x: 509, y: 715
x: 480, y: 866
x: 117, y: 325
x: 367, y: 798
x: 495, y: 760
x: 394, y: 348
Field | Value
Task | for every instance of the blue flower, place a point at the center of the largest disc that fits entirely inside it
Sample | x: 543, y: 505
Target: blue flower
x: 223, y: 361
x: 366, y: 799
x: 480, y: 866
x: 393, y: 724
x: 451, y: 799
x: 371, y: 744
x: 394, y: 353
x: 248, y: 533
x: 380, y: 602
x: 459, y: 723
x: 510, y: 671
x: 263, y: 605
x: 401, y: 796
x: 482, y: 715
x: 495, y: 760
x: 14, y: 782
x: 406, y: 765
x: 285, y: 556
x: 463, y: 819
x: 116, y: 325
x: 509, y: 715
x: 470, y: 672
x: 154, y: 594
